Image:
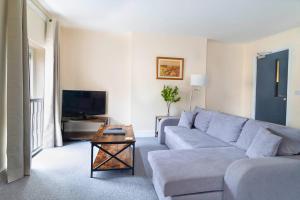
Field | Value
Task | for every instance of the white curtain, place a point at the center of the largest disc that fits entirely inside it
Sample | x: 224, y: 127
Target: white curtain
x: 18, y: 94
x: 2, y: 86
x: 52, y: 94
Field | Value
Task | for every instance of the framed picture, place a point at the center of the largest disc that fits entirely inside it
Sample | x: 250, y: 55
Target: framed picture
x: 169, y: 68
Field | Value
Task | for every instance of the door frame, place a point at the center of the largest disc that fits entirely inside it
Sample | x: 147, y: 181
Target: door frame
x: 289, y: 93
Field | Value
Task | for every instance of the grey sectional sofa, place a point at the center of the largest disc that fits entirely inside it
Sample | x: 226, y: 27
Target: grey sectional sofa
x: 208, y: 162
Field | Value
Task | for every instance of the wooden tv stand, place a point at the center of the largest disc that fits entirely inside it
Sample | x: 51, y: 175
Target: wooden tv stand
x: 82, y: 135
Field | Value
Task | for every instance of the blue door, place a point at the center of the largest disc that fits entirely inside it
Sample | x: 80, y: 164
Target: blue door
x: 271, y: 87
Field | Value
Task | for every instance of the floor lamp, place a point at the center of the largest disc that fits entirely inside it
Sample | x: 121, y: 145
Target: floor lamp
x: 197, y: 81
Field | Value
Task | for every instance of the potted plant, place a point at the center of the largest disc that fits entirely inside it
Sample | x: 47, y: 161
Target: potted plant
x: 170, y: 95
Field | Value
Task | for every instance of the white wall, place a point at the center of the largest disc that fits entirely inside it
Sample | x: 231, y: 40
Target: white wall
x: 146, y: 99
x: 225, y: 63
x: 125, y: 66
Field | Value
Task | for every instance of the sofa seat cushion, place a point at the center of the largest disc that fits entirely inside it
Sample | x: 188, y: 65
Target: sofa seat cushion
x: 226, y: 127
x: 197, y: 196
x: 184, y: 138
x: 180, y: 172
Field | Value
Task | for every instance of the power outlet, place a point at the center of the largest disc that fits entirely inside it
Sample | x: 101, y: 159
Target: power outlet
x: 297, y: 92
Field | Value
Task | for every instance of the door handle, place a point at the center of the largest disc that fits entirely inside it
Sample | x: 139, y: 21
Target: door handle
x: 284, y: 99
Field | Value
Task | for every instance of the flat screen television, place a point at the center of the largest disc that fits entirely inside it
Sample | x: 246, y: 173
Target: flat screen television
x: 83, y: 104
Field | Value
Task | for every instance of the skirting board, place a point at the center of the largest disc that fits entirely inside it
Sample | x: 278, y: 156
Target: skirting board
x: 3, y: 176
x: 144, y: 133
x: 93, y: 127
x: 2, y: 171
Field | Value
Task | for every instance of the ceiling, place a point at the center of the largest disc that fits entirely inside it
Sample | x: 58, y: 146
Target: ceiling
x: 224, y: 20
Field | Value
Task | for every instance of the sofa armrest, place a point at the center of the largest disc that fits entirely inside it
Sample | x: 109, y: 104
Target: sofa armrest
x: 273, y: 178
x: 170, y: 121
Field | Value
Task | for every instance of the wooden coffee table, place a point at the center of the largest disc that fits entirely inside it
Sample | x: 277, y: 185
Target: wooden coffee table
x: 116, y: 152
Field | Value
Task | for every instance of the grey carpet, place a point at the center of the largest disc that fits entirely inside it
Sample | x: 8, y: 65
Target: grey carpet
x: 63, y: 173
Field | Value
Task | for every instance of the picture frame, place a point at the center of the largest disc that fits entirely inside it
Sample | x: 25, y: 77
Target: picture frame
x: 169, y: 68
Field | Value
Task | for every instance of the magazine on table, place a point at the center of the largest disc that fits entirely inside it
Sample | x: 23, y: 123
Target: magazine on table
x: 114, y: 131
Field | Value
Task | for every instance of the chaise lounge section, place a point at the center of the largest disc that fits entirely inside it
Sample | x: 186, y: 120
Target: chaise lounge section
x: 209, y: 160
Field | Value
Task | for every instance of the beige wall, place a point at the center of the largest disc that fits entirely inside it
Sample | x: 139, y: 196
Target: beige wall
x: 231, y: 72
x: 98, y: 61
x: 286, y: 40
x: 125, y: 66
x: 230, y: 69
x: 146, y: 99
x: 224, y: 68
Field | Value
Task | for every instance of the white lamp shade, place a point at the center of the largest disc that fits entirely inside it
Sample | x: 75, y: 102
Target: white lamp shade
x: 198, y: 80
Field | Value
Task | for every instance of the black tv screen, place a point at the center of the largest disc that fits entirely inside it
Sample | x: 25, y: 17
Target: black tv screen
x: 77, y: 103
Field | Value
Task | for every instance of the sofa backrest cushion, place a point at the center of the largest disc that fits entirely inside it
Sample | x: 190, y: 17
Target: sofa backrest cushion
x: 226, y: 127
x: 264, y: 144
x: 290, y: 144
x: 197, y: 109
x: 203, y: 119
x: 186, y: 119
x: 248, y: 133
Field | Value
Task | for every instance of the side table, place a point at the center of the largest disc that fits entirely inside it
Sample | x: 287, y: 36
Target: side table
x: 158, y: 118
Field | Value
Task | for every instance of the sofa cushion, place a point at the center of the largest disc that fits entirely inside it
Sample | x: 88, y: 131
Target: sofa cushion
x: 226, y: 127
x: 290, y: 144
x: 180, y: 172
x: 202, y: 120
x: 183, y: 138
x: 218, y: 195
x: 248, y: 133
x: 186, y: 119
x: 264, y: 144
x: 197, y: 109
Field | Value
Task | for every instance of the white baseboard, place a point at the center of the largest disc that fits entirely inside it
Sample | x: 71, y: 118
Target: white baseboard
x: 2, y: 171
x: 3, y: 175
x: 144, y: 133
x: 93, y: 127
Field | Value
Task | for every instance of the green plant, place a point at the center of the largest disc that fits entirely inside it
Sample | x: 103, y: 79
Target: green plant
x: 170, y: 95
